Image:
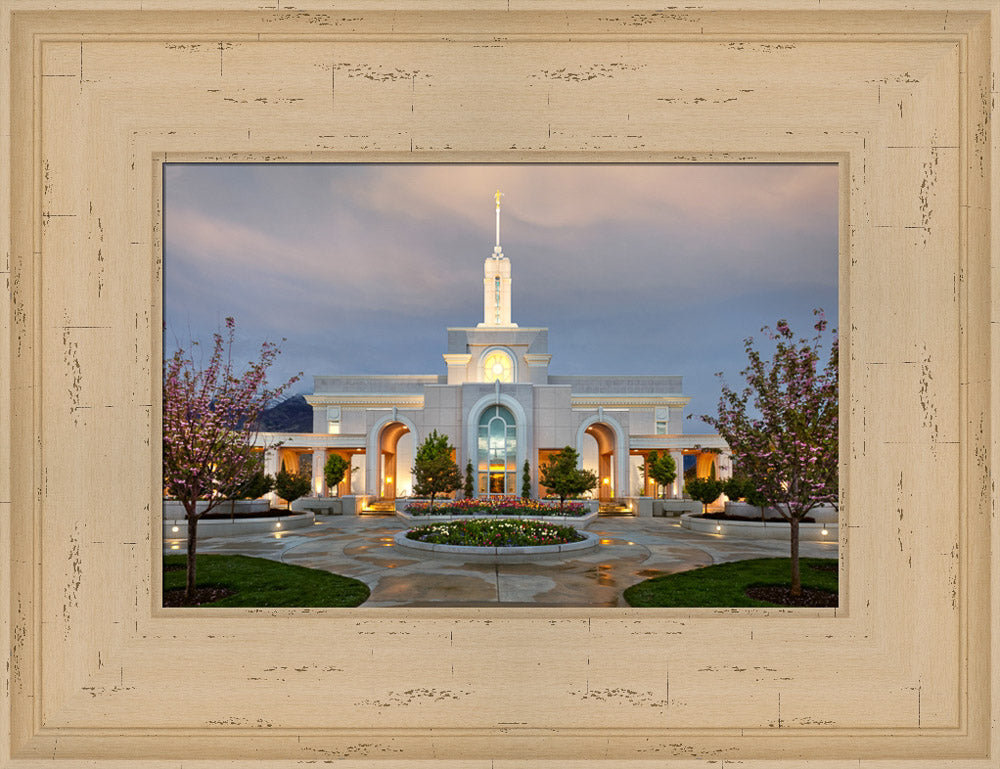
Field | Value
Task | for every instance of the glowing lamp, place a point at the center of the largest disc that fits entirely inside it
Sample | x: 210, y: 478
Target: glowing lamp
x: 824, y: 532
x: 175, y: 528
x: 718, y: 527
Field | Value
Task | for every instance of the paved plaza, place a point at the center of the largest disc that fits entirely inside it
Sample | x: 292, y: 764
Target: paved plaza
x: 630, y: 550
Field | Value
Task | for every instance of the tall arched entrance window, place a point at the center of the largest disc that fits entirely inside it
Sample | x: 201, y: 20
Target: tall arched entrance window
x: 497, y: 452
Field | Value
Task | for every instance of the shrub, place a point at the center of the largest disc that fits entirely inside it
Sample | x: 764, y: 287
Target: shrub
x: 255, y: 487
x: 434, y: 471
x: 291, y: 486
x: 562, y: 476
x: 334, y: 470
x: 705, y: 490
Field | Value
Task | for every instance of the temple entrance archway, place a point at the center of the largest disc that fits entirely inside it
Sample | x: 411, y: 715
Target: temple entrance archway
x: 392, y: 459
x: 607, y: 475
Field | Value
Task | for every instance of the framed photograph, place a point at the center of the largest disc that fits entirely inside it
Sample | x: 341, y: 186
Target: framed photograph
x: 510, y: 311
x: 99, y: 100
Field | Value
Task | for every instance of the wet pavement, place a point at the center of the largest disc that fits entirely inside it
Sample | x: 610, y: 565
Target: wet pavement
x: 630, y: 550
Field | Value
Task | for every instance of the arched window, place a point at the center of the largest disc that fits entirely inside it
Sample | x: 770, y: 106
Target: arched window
x: 498, y: 366
x: 497, y: 452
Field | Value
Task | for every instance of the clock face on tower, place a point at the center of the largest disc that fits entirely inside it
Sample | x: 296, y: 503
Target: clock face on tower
x: 498, y: 366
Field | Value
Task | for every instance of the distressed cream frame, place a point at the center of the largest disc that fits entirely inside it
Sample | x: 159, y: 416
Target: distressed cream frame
x: 100, y: 93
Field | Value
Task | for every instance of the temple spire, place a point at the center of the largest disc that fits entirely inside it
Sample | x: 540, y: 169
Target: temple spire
x: 498, y: 196
x: 496, y: 284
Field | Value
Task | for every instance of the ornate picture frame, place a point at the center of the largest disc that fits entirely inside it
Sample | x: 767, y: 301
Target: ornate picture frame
x: 98, y: 98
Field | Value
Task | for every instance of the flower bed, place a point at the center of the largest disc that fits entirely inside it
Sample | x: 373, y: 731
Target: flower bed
x: 498, y: 506
x: 482, y: 532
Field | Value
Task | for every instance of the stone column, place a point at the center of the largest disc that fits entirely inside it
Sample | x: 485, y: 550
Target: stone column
x: 724, y: 465
x: 319, y: 481
x: 271, y: 464
x: 679, y: 481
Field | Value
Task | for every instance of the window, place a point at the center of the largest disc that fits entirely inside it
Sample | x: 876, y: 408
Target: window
x: 333, y: 420
x: 662, y: 420
x: 497, y: 452
x: 497, y: 365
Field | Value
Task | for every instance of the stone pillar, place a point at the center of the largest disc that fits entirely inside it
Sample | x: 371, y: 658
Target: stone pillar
x: 725, y: 465
x: 679, y: 481
x: 271, y: 464
x: 319, y: 481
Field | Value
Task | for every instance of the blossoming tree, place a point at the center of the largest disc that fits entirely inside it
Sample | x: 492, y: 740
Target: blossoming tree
x: 782, y: 426
x: 210, y: 418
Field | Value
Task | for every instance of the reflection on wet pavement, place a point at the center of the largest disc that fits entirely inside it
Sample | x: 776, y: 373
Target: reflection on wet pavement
x: 629, y: 551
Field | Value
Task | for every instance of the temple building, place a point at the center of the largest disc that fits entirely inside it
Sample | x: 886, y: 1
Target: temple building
x: 499, y: 406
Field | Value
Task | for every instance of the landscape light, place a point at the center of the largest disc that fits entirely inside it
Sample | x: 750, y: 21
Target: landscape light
x: 175, y: 528
x: 718, y: 527
x: 824, y: 532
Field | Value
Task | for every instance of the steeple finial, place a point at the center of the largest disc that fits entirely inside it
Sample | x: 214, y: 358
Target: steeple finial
x: 498, y: 196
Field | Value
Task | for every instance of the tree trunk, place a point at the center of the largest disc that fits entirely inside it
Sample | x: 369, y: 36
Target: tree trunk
x: 192, y: 550
x: 796, y: 576
x: 430, y: 507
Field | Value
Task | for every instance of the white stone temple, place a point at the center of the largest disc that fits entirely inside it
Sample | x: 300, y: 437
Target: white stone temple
x: 499, y: 406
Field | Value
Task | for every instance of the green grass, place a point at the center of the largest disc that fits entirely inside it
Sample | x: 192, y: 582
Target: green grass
x: 259, y: 582
x: 722, y: 585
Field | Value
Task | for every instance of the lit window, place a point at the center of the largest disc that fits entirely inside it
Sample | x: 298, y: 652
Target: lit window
x: 497, y: 452
x: 333, y: 420
x: 498, y: 366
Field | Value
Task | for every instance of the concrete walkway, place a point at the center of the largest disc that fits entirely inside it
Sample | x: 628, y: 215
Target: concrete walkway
x: 631, y: 550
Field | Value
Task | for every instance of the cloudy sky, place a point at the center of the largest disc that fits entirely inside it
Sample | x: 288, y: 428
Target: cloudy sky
x: 634, y: 269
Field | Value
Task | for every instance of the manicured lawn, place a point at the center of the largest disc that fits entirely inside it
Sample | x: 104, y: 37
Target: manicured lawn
x: 258, y: 582
x: 723, y: 585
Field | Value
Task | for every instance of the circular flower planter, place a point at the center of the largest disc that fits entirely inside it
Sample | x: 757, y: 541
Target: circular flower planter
x: 498, y: 554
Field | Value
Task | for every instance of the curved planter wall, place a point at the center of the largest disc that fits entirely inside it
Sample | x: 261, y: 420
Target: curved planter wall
x: 808, y: 532
x: 498, y: 554
x: 220, y: 527
x: 174, y: 510
x: 822, y: 514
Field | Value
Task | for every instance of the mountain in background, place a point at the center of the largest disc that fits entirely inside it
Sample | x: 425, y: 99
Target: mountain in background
x: 292, y: 415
